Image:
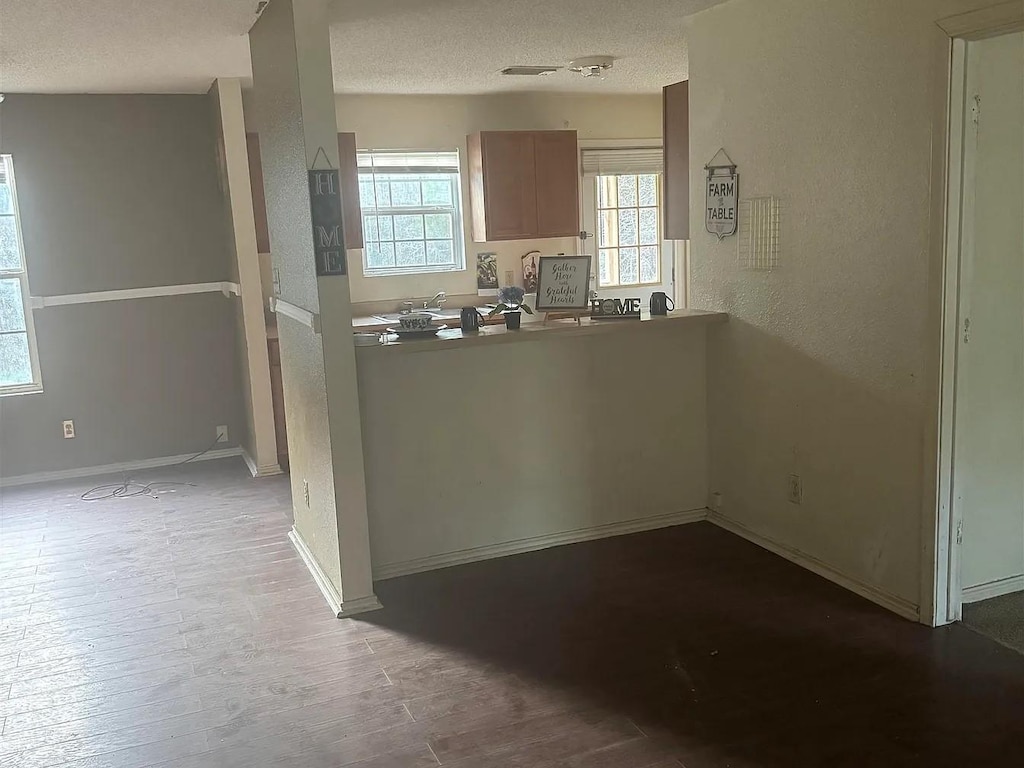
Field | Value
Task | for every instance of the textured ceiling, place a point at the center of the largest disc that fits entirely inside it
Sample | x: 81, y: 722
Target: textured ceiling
x: 458, y: 46
x: 379, y: 46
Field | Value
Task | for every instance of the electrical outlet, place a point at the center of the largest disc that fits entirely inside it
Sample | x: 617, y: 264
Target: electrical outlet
x: 796, y: 489
x: 716, y: 502
x: 69, y: 429
x: 305, y: 491
x: 510, y: 277
x: 222, y: 433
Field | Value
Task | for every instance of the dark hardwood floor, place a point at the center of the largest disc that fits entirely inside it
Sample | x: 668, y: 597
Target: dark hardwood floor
x: 183, y: 631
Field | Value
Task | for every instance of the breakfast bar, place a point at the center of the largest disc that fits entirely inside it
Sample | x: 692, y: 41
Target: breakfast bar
x: 500, y: 441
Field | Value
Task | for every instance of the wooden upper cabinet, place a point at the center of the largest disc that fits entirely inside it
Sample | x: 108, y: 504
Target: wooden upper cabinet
x: 556, y: 160
x: 349, y: 176
x: 676, y: 140
x: 523, y: 184
x: 351, y: 213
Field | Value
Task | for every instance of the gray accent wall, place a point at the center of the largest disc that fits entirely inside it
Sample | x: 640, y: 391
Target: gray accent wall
x: 120, y: 192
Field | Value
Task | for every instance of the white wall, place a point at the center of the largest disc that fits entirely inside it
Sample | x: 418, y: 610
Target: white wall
x: 502, y: 446
x: 990, y: 405
x: 443, y: 122
x: 828, y: 366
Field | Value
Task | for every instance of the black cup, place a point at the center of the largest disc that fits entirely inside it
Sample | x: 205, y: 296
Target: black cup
x: 661, y: 304
x: 471, y: 319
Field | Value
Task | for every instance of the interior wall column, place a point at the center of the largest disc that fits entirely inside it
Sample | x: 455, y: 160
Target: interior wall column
x: 295, y: 115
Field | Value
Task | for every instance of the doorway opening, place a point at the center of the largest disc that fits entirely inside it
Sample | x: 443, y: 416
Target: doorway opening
x: 980, y: 552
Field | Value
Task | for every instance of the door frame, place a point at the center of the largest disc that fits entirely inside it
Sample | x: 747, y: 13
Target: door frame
x: 942, y: 589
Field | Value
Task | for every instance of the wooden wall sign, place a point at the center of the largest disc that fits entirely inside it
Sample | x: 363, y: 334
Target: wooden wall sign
x: 615, y: 309
x: 721, y: 207
x: 563, y: 283
x: 325, y: 211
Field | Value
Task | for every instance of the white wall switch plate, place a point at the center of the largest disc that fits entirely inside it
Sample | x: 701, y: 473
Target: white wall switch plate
x: 69, y: 429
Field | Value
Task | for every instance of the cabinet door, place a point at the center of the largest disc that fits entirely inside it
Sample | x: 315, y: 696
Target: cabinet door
x: 509, y: 186
x: 558, y: 183
x: 676, y: 133
x: 259, y: 200
x: 352, y: 214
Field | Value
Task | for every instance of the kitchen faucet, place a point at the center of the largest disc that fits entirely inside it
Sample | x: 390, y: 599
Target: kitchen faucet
x: 440, y: 297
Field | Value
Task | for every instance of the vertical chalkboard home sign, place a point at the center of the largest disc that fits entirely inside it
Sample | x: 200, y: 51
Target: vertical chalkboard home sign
x: 325, y: 210
x: 563, y: 283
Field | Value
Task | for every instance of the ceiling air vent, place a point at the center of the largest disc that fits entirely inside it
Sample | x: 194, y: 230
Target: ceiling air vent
x: 529, y: 70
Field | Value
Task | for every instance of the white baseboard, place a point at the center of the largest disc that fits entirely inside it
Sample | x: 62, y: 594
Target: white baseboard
x: 391, y: 570
x: 341, y: 608
x: 898, y: 605
x: 108, y: 469
x: 267, y: 470
x: 991, y: 589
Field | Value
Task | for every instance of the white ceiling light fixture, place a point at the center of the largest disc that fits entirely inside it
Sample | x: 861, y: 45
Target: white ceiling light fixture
x: 591, y: 66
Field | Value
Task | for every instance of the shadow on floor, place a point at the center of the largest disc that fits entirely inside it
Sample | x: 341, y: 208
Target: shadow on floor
x: 734, y: 655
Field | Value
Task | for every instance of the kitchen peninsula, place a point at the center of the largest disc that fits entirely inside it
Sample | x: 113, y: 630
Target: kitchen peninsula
x: 501, y: 441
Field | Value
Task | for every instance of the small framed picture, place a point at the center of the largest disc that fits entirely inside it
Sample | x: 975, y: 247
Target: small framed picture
x: 487, y: 274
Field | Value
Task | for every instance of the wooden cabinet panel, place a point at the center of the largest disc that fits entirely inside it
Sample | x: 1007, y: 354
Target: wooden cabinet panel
x: 349, y: 176
x: 676, y: 133
x: 523, y: 184
x: 352, y: 214
x: 508, y: 186
x: 556, y: 159
x: 259, y: 200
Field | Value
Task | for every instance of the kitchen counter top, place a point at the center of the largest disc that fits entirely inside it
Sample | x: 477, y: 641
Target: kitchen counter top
x: 453, y: 338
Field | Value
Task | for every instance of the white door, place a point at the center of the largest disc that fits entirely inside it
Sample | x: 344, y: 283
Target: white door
x: 623, y: 215
x: 989, y: 447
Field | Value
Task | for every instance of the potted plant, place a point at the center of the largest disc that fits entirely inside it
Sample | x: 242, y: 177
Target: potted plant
x: 510, y: 303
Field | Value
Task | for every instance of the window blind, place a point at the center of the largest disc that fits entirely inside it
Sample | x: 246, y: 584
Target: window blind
x: 377, y: 161
x: 608, y: 162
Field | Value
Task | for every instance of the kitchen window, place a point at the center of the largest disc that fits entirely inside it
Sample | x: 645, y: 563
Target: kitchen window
x: 628, y: 230
x: 623, y: 216
x: 19, y: 362
x: 412, y: 217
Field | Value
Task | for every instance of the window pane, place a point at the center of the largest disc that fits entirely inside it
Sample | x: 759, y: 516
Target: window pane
x: 647, y: 187
x: 6, y: 203
x: 606, y: 197
x: 386, y: 227
x: 409, y: 227
x: 410, y: 254
x: 649, y: 258
x: 440, y: 252
x: 405, y: 193
x: 371, y: 233
x: 366, y: 198
x: 12, y: 313
x: 438, y: 225
x: 15, y: 365
x: 383, y: 194
x: 437, y: 192
x: 605, y: 274
x: 608, y: 231
x: 649, y: 226
x: 9, y: 258
x: 380, y: 255
x: 627, y: 226
x: 627, y: 191
x: 628, y: 271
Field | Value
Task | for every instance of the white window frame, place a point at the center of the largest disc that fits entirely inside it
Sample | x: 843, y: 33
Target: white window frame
x: 673, y: 275
x: 21, y: 274
x: 454, y: 211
